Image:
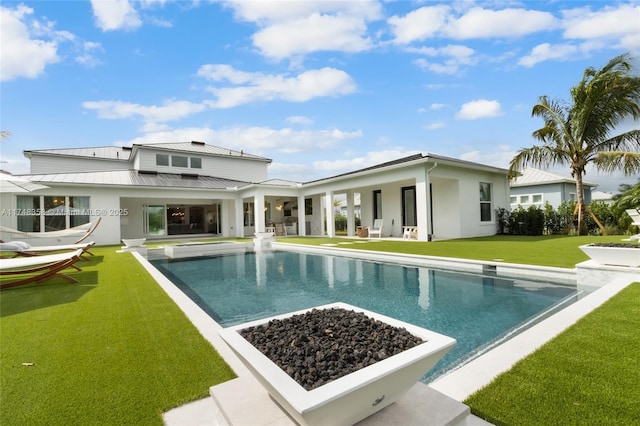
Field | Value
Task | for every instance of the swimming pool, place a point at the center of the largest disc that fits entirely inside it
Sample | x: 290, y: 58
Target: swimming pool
x: 476, y: 309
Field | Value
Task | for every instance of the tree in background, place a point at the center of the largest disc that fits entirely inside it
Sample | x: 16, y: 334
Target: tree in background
x: 578, y: 132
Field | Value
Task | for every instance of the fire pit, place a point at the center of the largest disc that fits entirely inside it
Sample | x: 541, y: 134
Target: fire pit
x: 615, y: 254
x: 365, y: 376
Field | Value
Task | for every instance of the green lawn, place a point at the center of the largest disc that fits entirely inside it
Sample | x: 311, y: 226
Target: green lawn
x: 113, y: 349
x: 559, y: 251
x: 587, y: 375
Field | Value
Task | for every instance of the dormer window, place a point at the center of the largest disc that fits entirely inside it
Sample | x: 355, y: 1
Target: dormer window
x: 196, y: 162
x: 162, y: 159
x: 179, y: 161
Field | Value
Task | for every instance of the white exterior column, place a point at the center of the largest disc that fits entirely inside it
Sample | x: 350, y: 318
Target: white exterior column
x: 239, y: 214
x: 331, y: 225
x: 302, y: 222
x: 422, y: 206
x: 258, y: 212
x: 351, y: 220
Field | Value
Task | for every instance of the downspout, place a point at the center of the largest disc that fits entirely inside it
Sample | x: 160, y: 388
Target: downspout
x: 429, y: 209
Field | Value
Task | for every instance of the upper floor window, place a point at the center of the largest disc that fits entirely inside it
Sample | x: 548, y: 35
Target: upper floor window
x: 162, y: 159
x: 179, y: 161
x: 196, y: 162
x: 486, y: 204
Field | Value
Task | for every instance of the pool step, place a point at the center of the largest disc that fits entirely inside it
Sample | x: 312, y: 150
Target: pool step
x: 243, y: 401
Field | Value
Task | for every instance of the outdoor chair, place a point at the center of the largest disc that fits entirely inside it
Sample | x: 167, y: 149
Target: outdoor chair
x: 35, y: 269
x: 376, y: 229
x: 635, y: 217
x: 410, y: 232
x: 21, y: 248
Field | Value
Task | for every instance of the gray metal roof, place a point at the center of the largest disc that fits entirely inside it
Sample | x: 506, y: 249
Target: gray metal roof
x: 103, y: 152
x: 125, y: 153
x: 531, y: 176
x: 138, y: 179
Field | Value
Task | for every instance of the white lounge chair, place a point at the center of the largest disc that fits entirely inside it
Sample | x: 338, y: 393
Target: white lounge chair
x: 635, y: 217
x: 21, y: 248
x: 82, y: 231
x: 38, y: 268
x: 410, y: 232
x: 376, y: 229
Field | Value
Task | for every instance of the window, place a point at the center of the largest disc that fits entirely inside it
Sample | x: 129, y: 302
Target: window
x: 377, y: 204
x: 248, y: 209
x: 537, y: 198
x: 486, y: 206
x: 196, y: 162
x: 524, y: 199
x: 51, y: 213
x: 513, y: 199
x: 162, y: 159
x: 179, y: 161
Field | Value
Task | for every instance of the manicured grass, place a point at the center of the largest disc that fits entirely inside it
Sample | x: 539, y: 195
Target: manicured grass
x: 588, y: 375
x: 113, y: 349
x: 558, y: 251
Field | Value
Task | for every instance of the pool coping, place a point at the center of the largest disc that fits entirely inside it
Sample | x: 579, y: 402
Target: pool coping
x: 464, y: 380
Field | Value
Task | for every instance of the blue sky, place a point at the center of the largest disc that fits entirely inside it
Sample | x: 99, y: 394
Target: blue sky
x: 320, y: 87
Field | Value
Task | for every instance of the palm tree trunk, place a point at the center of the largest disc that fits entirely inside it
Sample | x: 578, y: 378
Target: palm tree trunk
x: 581, y: 207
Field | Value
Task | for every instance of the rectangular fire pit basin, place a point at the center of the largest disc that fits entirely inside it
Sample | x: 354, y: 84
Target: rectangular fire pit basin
x: 353, y: 397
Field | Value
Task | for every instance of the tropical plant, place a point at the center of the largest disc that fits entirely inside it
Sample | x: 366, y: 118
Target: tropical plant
x: 579, y: 133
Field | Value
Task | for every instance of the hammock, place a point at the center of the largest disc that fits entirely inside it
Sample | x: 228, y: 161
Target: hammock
x: 81, y: 230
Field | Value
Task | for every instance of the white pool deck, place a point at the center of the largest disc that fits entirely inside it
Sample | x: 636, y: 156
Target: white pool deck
x: 243, y: 401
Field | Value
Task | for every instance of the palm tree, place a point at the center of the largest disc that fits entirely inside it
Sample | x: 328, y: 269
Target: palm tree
x: 580, y: 132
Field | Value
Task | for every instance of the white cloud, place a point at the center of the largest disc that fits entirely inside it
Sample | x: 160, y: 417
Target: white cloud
x: 456, y: 55
x: 312, y: 34
x: 20, y: 54
x: 477, y: 22
x: 545, y: 51
x: 369, y: 159
x: 609, y: 22
x: 298, y: 119
x: 170, y: 110
x: 435, y: 125
x: 500, y: 158
x: 115, y: 15
x: 302, y: 27
x: 419, y: 24
x: 257, y: 140
x: 484, y: 23
x: 437, y: 106
x: 480, y: 108
x: 260, y: 87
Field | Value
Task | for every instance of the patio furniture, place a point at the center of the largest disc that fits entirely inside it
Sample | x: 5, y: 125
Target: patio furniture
x: 35, y: 269
x: 83, y: 231
x: 409, y: 232
x: 21, y: 248
x: 361, y: 231
x: 634, y: 214
x: 376, y: 229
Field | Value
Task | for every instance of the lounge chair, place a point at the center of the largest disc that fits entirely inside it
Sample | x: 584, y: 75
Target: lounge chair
x: 376, y: 229
x: 635, y: 217
x: 82, y: 231
x: 21, y: 248
x: 38, y: 268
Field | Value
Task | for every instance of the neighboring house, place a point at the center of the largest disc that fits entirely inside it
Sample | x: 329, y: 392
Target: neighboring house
x: 605, y: 197
x: 537, y: 187
x: 167, y: 190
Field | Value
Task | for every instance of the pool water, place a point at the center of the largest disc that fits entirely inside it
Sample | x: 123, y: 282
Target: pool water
x: 476, y: 310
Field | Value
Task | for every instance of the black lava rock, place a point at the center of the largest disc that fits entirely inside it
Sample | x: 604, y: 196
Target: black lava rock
x: 322, y: 345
